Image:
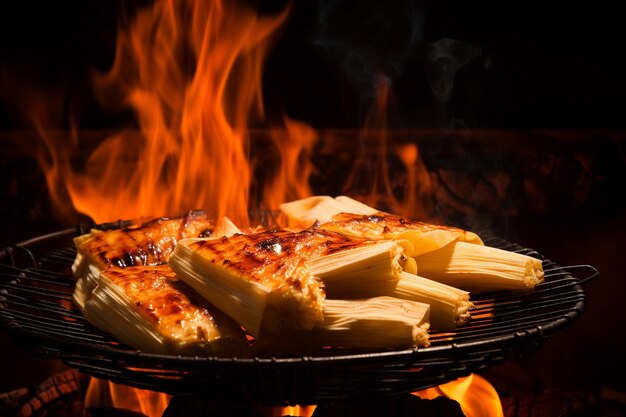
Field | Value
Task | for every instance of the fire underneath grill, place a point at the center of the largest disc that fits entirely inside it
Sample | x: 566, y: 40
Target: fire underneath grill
x: 36, y: 308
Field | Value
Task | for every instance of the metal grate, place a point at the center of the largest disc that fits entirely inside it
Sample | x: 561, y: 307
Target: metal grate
x: 36, y: 308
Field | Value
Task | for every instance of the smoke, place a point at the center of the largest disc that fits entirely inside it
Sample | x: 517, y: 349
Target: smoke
x: 369, y: 40
x: 444, y: 59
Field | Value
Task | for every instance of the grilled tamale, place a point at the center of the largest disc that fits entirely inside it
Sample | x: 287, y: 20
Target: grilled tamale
x: 148, y: 308
x: 446, y: 254
x: 422, y: 237
x: 480, y: 268
x: 345, y: 215
x: 378, y: 322
x: 449, y: 306
x: 151, y: 243
x: 266, y: 280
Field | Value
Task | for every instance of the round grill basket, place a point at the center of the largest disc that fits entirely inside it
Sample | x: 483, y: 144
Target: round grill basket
x: 36, y: 308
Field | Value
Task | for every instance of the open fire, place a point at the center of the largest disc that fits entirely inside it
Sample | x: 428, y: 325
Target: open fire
x: 474, y: 394
x: 191, y: 74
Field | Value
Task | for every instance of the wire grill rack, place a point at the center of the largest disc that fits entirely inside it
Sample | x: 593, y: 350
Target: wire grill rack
x: 36, y: 308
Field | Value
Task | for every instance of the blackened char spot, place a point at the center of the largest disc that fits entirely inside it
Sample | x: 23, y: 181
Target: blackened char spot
x: 205, y: 233
x: 118, y: 262
x: 375, y: 219
x: 268, y: 245
x: 129, y: 259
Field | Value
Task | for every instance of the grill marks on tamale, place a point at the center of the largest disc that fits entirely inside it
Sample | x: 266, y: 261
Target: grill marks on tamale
x: 271, y: 257
x: 152, y: 243
x: 149, y: 308
x: 380, y: 225
x: 163, y: 298
x: 267, y: 281
x: 389, y: 226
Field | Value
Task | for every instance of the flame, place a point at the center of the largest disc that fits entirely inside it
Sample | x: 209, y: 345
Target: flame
x: 370, y: 180
x: 477, y: 397
x: 191, y: 74
x: 296, y: 410
x: 291, y: 182
x: 105, y: 394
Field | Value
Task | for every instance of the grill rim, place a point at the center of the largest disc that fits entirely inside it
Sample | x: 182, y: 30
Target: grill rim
x: 442, y: 363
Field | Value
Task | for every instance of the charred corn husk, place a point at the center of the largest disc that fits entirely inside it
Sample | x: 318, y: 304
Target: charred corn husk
x: 256, y: 279
x: 273, y: 280
x: 148, y: 244
x: 150, y: 309
x: 345, y: 215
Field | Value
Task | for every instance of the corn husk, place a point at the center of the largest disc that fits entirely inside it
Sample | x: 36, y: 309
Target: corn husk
x: 255, y: 284
x: 363, y: 270
x: 276, y: 279
x: 378, y: 322
x: 150, y: 309
x: 345, y: 215
x: 478, y: 268
x: 449, y: 306
x: 147, y: 244
x: 306, y: 212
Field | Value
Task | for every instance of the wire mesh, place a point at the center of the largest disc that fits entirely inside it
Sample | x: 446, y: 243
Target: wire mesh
x: 36, y: 308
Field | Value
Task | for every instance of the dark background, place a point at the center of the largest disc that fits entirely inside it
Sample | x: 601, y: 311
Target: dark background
x: 542, y: 65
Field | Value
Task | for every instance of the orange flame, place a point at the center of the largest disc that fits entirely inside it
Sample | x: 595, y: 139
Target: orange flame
x: 105, y: 394
x: 372, y: 164
x: 191, y: 73
x: 477, y: 397
x: 291, y: 182
x: 296, y: 410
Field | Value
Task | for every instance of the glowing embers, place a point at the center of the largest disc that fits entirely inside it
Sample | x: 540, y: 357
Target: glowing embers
x: 476, y: 396
x: 105, y: 394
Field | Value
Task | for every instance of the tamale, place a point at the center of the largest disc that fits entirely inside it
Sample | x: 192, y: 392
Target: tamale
x: 269, y: 279
x: 422, y: 237
x: 449, y: 306
x: 362, y: 270
x: 148, y: 308
x: 150, y: 243
x: 478, y: 268
x: 345, y: 215
x: 244, y: 274
x: 378, y: 322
